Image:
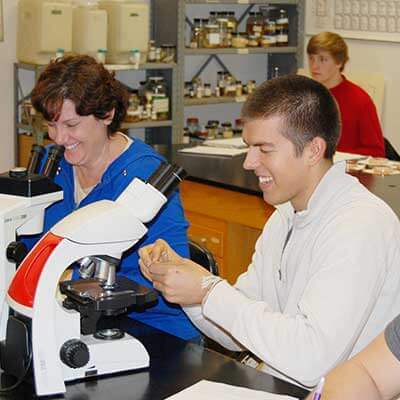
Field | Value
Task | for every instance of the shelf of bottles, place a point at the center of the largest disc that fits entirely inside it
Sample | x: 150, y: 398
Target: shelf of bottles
x: 266, y: 31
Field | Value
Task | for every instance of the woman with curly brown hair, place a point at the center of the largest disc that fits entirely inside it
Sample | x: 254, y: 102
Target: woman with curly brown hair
x: 84, y: 106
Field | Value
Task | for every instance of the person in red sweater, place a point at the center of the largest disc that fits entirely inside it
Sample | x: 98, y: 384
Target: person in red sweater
x: 361, y: 130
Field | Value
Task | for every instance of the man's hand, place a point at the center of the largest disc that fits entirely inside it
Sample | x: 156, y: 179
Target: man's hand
x: 180, y: 281
x: 159, y: 251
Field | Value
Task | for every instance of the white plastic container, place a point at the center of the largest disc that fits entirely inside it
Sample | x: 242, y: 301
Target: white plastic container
x: 43, y: 27
x: 89, y: 28
x: 128, y: 28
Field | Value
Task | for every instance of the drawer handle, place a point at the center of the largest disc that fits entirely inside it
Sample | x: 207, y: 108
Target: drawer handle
x: 203, y: 240
x: 215, y: 240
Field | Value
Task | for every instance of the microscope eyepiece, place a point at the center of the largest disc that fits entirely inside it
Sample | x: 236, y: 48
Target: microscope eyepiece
x: 53, y: 159
x: 167, y: 177
x: 37, y: 152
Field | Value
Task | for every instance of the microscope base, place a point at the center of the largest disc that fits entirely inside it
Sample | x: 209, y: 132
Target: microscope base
x: 108, y: 357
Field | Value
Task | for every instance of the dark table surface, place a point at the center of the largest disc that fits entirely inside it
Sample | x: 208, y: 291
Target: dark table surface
x: 175, y: 365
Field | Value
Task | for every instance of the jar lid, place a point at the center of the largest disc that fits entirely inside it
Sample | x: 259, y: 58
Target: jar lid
x: 192, y: 120
x: 226, y: 124
x: 168, y: 46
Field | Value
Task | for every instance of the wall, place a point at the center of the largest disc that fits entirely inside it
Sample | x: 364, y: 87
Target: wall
x: 383, y: 58
x: 7, y: 58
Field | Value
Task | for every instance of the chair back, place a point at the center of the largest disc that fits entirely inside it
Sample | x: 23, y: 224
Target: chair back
x: 200, y: 255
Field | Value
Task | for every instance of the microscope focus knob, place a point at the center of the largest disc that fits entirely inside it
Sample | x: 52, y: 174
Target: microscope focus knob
x: 16, y: 252
x: 74, y: 353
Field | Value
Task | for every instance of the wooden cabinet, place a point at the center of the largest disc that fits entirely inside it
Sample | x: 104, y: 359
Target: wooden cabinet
x: 227, y: 222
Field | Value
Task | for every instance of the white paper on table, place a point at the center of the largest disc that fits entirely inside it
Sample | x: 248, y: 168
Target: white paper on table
x: 234, y: 143
x: 340, y: 156
x: 205, y: 390
x: 213, y: 151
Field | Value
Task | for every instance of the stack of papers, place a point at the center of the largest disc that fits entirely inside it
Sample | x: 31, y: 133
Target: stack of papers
x: 213, y: 390
x: 213, y: 151
x: 339, y: 156
x: 234, y: 143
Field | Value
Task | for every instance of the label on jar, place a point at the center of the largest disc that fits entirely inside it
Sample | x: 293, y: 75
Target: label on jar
x: 268, y: 40
x: 282, y: 38
x: 160, y: 105
x: 213, y: 38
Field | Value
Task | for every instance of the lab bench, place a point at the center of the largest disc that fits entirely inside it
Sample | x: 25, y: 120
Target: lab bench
x: 175, y: 364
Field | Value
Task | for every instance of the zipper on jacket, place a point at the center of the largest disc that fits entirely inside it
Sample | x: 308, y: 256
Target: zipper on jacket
x: 289, y: 234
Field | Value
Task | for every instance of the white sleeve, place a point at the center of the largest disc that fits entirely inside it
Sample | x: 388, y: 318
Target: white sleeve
x: 249, y: 283
x: 344, y: 282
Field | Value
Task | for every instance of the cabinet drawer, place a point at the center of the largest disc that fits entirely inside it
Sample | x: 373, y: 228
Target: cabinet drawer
x: 210, y: 238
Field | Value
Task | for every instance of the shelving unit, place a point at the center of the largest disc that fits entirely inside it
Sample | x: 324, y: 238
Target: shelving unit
x: 244, y: 51
x: 170, y: 27
x: 156, y: 132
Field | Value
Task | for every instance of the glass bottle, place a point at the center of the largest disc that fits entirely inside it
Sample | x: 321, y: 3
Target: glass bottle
x: 192, y: 123
x: 258, y: 26
x: 223, y: 32
x: 269, y: 36
x: 282, y: 29
x: 221, y: 83
x: 101, y: 56
x: 232, y: 22
x: 202, y: 37
x: 227, y: 131
x: 254, y: 25
x: 187, y: 89
x: 250, y: 22
x: 195, y: 34
x: 213, y: 17
x: 168, y: 52
x: 133, y: 113
x: 239, y: 89
x: 212, y: 36
x: 151, y: 51
x: 230, y: 86
x: 207, y: 90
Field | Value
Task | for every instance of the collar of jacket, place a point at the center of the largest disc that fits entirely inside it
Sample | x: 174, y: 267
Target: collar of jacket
x: 330, y: 187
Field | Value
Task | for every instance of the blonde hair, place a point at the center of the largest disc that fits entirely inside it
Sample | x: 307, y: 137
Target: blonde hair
x: 331, y: 42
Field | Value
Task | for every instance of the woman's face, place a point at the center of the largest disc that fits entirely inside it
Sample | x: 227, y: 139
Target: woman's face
x: 324, y: 68
x: 84, y: 137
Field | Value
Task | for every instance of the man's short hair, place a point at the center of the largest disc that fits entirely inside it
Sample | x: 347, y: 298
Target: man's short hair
x: 306, y: 107
x: 331, y: 42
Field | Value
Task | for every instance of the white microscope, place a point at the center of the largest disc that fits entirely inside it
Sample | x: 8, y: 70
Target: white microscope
x: 60, y: 338
x: 24, y: 195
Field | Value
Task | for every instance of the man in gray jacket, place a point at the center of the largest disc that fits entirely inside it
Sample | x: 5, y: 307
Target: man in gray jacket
x: 324, y: 278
